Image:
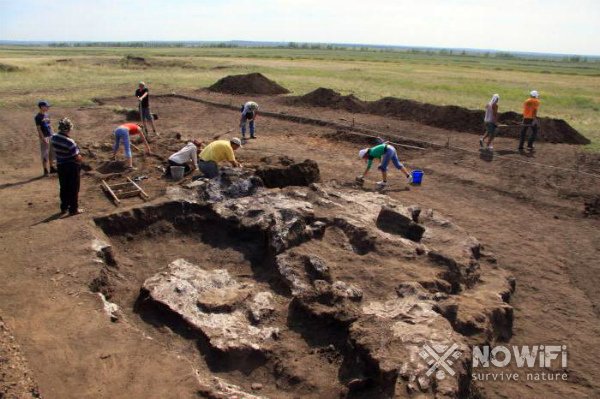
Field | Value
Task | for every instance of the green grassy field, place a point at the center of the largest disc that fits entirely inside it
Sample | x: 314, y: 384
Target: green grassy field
x: 73, y: 76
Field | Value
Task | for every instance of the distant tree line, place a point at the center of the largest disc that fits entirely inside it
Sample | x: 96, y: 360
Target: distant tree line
x: 323, y: 46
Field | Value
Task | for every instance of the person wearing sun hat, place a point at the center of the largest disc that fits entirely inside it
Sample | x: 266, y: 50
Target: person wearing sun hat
x: 386, y: 153
x: 68, y: 160
x: 491, y: 122
x: 530, y: 113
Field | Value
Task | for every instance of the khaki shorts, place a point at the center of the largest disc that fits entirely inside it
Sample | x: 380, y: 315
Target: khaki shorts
x: 46, y: 150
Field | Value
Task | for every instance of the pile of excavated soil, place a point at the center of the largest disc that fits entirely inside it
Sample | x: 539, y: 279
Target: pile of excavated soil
x: 450, y: 117
x: 252, y: 83
x: 289, y: 174
x: 323, y: 97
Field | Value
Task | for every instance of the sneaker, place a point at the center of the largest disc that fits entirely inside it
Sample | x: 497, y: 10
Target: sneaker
x: 77, y: 212
x: 382, y: 183
x: 252, y: 137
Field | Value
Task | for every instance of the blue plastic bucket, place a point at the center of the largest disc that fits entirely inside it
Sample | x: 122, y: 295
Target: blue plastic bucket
x: 417, y: 176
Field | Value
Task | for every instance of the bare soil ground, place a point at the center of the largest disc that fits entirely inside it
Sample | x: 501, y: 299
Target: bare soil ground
x: 531, y: 218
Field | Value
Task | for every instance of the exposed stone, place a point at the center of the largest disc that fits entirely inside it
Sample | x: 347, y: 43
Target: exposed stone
x: 211, y: 302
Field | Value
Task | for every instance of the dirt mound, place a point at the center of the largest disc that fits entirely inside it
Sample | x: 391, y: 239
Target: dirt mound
x: 252, y: 83
x: 323, y: 97
x: 112, y: 167
x: 289, y: 174
x: 450, y: 117
x: 132, y: 115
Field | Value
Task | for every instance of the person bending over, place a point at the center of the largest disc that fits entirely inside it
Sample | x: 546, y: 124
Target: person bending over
x: 123, y: 133
x: 385, y: 153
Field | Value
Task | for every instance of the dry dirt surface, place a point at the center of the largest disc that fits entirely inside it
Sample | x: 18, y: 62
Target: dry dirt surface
x: 230, y: 289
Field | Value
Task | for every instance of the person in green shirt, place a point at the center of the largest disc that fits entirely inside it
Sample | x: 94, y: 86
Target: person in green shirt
x: 385, y: 153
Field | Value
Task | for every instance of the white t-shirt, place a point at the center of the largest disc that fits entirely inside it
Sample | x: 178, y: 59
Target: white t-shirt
x: 249, y: 106
x: 186, y: 154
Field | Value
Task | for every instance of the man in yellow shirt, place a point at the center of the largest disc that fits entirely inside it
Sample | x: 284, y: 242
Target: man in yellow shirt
x: 217, y: 152
x: 530, y: 109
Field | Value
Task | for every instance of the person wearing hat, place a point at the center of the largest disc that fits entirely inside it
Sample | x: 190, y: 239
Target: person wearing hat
x: 530, y: 111
x: 124, y: 133
x: 249, y: 113
x: 143, y: 95
x: 385, y: 153
x: 216, y: 152
x: 68, y: 160
x: 44, y: 130
x: 491, y: 122
x: 187, y: 157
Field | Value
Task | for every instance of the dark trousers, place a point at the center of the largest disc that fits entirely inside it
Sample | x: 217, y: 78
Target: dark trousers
x: 534, y: 132
x: 68, y: 178
x: 172, y: 163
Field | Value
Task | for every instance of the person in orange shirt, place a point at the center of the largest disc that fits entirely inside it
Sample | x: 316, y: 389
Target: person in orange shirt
x: 530, y: 110
x: 123, y: 133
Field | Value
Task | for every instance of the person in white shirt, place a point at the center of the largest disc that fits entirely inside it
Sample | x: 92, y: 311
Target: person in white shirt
x: 186, y: 157
x: 249, y: 112
x: 491, y: 123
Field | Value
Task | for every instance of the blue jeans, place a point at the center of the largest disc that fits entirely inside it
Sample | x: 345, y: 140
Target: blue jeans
x: 122, y: 134
x: 250, y: 124
x: 390, y: 155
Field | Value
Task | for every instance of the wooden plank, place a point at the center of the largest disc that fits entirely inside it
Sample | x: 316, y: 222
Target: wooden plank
x: 143, y: 193
x: 107, y: 188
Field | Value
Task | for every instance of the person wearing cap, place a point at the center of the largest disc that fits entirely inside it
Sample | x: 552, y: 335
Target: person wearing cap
x: 68, y: 160
x: 385, y: 153
x: 216, y: 152
x: 187, y: 157
x: 44, y: 131
x: 249, y: 113
x: 491, y: 122
x: 143, y: 95
x: 530, y: 111
x: 124, y: 133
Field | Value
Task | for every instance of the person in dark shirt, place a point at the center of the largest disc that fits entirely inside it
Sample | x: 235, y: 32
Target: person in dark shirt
x: 44, y: 131
x: 68, y: 160
x: 143, y: 96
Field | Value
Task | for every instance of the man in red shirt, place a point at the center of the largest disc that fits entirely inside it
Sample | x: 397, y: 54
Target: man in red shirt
x: 123, y: 133
x: 530, y: 110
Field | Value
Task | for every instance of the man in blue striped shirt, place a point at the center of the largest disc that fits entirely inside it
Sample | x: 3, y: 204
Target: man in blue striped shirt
x: 68, y: 160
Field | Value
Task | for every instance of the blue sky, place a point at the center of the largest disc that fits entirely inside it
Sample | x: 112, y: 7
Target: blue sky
x: 556, y: 26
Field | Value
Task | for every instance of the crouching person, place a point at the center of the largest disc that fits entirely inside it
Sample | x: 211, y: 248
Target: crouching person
x: 217, y: 152
x: 187, y: 157
x: 385, y: 153
x: 68, y: 160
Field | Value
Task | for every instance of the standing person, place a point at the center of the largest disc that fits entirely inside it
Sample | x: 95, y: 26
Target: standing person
x: 217, y: 152
x: 249, y: 113
x: 491, y: 122
x: 530, y: 111
x: 44, y: 131
x: 385, y: 153
x: 123, y: 133
x: 68, y: 160
x: 185, y: 156
x: 143, y: 95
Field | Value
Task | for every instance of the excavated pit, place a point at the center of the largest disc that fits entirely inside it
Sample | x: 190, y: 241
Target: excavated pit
x: 309, y: 291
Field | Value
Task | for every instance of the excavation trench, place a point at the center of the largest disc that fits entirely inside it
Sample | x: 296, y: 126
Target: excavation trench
x: 310, y: 354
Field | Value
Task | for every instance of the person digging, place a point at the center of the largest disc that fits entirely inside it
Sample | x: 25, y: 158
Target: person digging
x: 123, y: 133
x: 143, y: 95
x: 187, y: 157
x: 216, y: 152
x: 249, y: 113
x: 385, y: 153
